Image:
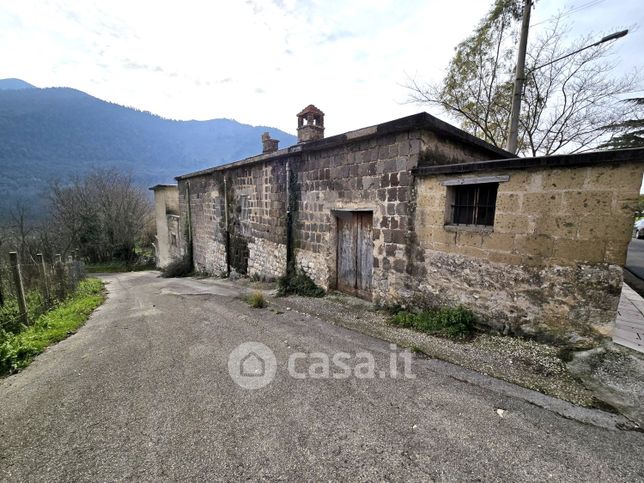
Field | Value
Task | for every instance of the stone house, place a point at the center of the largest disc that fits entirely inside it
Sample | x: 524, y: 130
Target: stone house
x: 416, y: 211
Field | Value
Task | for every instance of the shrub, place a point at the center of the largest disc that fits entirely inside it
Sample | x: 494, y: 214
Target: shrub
x: 181, y: 267
x: 17, y: 350
x: 10, y: 320
x: 392, y: 309
x: 446, y: 321
x: 256, y: 300
x: 298, y: 283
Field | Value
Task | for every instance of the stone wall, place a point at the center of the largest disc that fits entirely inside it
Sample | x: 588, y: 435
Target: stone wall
x: 552, y: 260
x: 206, y: 209
x: 176, y: 246
x: 315, y: 265
x: 364, y: 173
x: 166, y: 202
x: 550, y: 263
x: 256, y: 199
x: 267, y: 259
x: 367, y: 174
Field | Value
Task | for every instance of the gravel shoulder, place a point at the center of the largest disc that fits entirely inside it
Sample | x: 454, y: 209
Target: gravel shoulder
x: 527, y: 363
x: 617, y: 390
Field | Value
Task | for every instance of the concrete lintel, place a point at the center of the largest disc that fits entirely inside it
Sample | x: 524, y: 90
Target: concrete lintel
x: 478, y: 180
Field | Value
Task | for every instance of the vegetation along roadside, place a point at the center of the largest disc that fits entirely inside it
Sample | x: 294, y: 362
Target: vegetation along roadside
x: 18, y: 349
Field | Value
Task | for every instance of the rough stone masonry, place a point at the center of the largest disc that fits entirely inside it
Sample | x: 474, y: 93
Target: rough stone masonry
x: 417, y: 212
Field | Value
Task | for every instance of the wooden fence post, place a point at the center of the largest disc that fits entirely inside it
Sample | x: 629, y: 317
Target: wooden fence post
x: 20, y: 290
x: 45, y: 278
x: 69, y: 271
x: 59, y: 271
x: 1, y: 286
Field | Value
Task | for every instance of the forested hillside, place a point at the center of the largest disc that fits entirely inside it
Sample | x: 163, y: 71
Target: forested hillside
x: 14, y: 84
x: 56, y: 133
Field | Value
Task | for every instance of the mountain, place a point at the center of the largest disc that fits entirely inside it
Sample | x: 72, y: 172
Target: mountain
x: 12, y: 84
x: 56, y: 133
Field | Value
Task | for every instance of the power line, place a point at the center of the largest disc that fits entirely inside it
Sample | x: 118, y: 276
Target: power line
x: 576, y: 9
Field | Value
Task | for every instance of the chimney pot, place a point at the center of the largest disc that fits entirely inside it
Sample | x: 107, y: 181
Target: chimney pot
x: 269, y: 145
x: 310, y: 124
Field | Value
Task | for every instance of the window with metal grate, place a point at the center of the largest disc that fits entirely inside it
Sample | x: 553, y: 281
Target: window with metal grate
x: 474, y: 204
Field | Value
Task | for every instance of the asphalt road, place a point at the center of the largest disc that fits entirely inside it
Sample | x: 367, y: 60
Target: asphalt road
x: 143, y: 392
x: 635, y: 257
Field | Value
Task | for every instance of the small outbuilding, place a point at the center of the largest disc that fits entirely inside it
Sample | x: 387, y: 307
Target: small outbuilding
x: 416, y: 211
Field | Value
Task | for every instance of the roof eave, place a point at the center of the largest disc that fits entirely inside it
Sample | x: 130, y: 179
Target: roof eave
x: 632, y: 155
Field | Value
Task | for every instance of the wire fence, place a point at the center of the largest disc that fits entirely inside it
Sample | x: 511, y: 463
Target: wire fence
x: 29, y: 289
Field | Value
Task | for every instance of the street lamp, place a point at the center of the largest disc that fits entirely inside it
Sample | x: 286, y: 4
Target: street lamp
x: 614, y: 36
x: 513, y: 132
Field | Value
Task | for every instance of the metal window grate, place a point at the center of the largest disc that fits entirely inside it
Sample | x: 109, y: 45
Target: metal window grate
x: 474, y: 204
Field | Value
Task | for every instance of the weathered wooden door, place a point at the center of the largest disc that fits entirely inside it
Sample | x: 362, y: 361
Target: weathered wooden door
x: 355, y: 253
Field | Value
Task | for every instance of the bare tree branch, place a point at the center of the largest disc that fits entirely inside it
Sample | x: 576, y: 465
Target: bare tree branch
x: 568, y: 106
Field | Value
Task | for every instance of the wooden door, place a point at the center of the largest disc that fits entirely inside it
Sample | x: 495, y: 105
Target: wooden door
x: 346, y: 253
x: 364, y: 254
x: 355, y: 253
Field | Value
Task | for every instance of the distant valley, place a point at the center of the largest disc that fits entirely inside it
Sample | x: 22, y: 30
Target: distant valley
x: 57, y: 133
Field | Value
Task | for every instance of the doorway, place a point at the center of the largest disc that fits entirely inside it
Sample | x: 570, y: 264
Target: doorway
x: 355, y: 252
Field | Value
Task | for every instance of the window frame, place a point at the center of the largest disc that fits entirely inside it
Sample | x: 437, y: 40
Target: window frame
x: 455, y: 188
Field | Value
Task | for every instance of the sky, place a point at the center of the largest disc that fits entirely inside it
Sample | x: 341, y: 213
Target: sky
x: 260, y: 62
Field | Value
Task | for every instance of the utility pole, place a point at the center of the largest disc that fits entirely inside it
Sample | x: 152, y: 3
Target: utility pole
x: 513, y: 133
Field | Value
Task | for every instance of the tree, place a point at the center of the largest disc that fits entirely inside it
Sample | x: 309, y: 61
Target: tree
x: 475, y: 89
x: 19, y: 233
x: 639, y: 208
x: 629, y: 133
x: 21, y: 230
x: 565, y: 103
x: 103, y: 214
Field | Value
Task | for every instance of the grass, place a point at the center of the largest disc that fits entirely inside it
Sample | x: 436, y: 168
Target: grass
x: 454, y: 323
x: 18, y: 350
x: 256, y: 300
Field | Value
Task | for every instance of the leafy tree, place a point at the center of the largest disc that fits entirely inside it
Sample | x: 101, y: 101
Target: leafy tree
x: 629, y: 133
x: 476, y: 89
x: 639, y: 211
x: 565, y: 103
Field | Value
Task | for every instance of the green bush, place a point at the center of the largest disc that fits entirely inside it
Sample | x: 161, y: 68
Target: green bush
x: 181, y: 267
x: 447, y: 321
x: 256, y: 300
x: 298, y: 283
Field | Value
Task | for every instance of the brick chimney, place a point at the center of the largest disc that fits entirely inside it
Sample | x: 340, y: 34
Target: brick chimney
x: 310, y: 124
x: 269, y: 145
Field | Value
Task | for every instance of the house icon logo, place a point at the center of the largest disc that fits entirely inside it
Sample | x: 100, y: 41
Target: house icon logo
x: 252, y: 365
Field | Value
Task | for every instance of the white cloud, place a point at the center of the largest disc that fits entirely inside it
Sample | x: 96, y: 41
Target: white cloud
x: 256, y: 61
